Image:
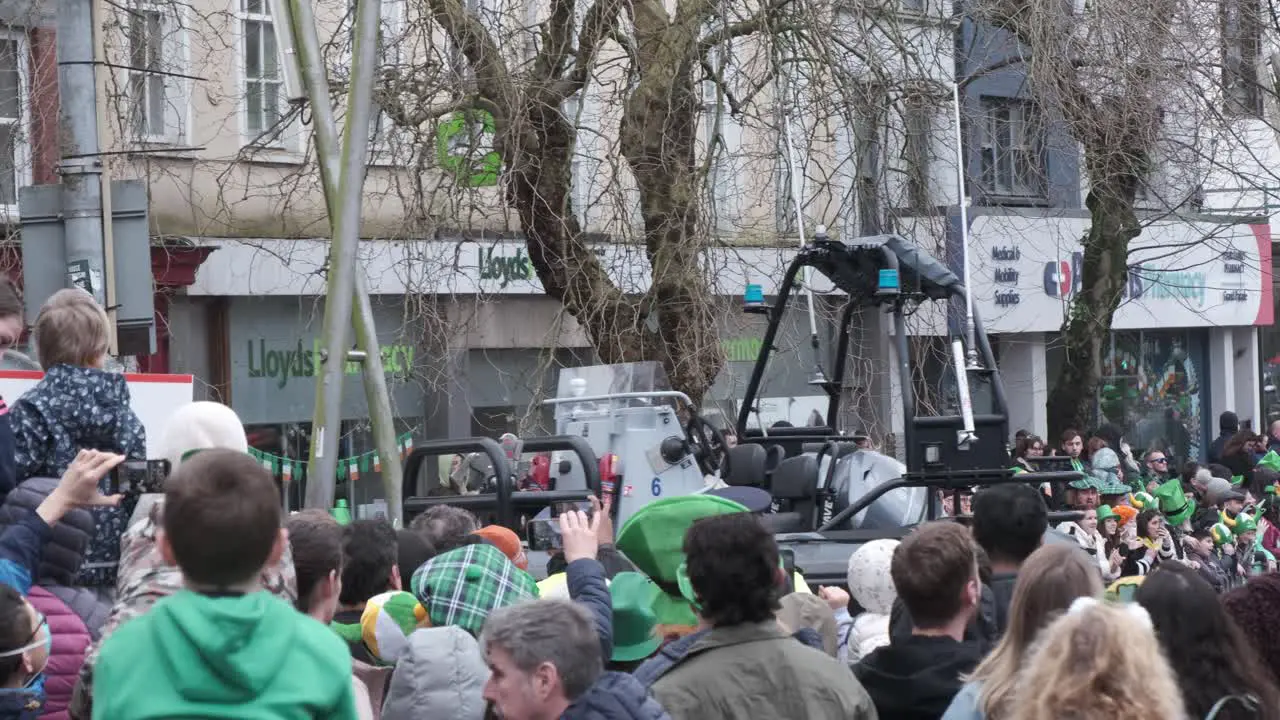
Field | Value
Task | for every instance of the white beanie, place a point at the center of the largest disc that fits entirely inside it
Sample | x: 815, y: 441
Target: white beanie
x: 201, y: 426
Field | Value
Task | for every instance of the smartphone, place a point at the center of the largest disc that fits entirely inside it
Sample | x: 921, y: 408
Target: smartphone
x: 789, y: 567
x: 544, y: 534
x: 558, y: 508
x: 137, y: 477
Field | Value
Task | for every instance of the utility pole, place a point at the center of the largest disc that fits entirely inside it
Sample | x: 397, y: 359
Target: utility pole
x: 81, y: 165
x: 342, y: 170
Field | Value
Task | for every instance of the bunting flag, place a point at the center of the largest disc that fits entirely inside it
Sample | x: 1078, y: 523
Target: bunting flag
x: 287, y: 468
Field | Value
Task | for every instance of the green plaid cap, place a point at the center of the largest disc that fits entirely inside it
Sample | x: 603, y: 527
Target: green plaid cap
x: 461, y: 587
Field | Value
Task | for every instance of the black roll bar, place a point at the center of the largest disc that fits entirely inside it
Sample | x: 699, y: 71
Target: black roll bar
x: 952, y: 481
x: 488, y: 446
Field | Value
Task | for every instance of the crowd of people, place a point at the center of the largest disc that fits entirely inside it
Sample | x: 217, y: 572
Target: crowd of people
x: 206, y: 601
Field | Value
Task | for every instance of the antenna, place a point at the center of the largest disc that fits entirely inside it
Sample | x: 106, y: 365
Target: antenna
x: 818, y: 376
x: 963, y: 201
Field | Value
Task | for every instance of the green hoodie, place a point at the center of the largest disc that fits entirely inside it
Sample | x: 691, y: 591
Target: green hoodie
x: 249, y: 657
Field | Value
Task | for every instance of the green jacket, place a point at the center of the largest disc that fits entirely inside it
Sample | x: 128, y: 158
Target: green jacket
x: 770, y: 676
x: 249, y: 657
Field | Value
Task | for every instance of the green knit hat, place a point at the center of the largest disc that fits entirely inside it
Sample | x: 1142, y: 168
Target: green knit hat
x: 634, y: 622
x: 1173, y: 502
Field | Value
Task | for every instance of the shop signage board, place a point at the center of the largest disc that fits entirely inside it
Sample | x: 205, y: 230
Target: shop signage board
x: 1180, y: 274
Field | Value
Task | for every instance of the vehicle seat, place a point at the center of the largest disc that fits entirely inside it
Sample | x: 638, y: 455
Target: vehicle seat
x: 795, y: 489
x: 747, y: 465
x: 775, y: 454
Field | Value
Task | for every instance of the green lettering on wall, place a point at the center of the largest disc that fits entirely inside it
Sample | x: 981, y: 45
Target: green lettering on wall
x: 742, y: 349
x: 283, y: 363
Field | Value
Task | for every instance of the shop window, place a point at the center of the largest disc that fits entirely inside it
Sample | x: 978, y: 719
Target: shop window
x: 1153, y: 388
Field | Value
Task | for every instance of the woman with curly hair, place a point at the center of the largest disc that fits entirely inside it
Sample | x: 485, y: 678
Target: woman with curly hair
x: 1097, y: 662
x: 1255, y: 607
x: 1048, y: 582
x: 1206, y: 649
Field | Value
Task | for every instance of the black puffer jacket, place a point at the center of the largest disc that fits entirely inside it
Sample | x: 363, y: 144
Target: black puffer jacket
x: 615, y: 696
x: 65, y: 551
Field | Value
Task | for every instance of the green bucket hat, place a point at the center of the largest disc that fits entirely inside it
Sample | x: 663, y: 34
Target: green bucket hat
x: 1174, y: 503
x: 1106, y: 513
x: 634, y: 622
x: 653, y: 540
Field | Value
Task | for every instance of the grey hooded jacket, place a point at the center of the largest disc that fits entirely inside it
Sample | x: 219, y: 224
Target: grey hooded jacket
x: 442, y: 677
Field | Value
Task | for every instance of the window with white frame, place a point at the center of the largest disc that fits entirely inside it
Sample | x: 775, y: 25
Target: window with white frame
x: 1012, y: 149
x: 14, y: 150
x: 158, y: 95
x: 723, y: 138
x: 382, y: 143
x: 264, y: 100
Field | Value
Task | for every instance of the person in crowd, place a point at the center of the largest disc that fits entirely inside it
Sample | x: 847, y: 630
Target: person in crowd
x: 1153, y: 545
x: 26, y: 635
x: 1098, y: 661
x: 1109, y: 529
x: 1026, y: 451
x: 1228, y: 426
x: 76, y: 614
x: 1073, y: 447
x: 445, y: 527
x: 77, y: 405
x: 462, y: 586
x: 935, y: 573
x: 1155, y: 469
x: 1050, y: 580
x: 1009, y: 524
x: 1273, y: 436
x: 506, y: 541
x: 1082, y: 493
x: 1201, y: 548
x: 1254, y: 607
x: 811, y: 618
x: 146, y: 575
x: 544, y: 661
x: 733, y: 575
x: 871, y: 583
x: 1269, y: 522
x: 11, y: 329
x: 1207, y: 650
x: 222, y: 646
x: 316, y: 539
x: 1238, y: 457
x: 370, y: 552
x: 1251, y: 556
x: 412, y: 551
x: 1085, y: 532
x: 1224, y: 551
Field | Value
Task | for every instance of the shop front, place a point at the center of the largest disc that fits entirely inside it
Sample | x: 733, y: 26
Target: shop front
x: 1184, y: 343
x: 275, y: 349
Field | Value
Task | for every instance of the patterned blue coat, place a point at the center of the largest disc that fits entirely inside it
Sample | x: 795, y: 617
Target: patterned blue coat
x: 71, y: 409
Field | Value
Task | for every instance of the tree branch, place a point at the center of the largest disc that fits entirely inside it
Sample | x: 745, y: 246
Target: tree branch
x: 492, y: 77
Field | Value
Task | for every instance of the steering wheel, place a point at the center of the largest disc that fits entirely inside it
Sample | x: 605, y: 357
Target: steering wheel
x: 708, y: 445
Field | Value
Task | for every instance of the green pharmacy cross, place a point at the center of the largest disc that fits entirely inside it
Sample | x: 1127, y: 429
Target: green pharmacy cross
x: 464, y: 147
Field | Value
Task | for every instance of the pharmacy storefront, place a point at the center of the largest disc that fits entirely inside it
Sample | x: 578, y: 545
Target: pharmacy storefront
x: 1184, y: 341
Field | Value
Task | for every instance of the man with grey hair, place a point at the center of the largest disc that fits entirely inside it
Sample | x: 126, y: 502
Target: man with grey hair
x: 445, y: 527
x: 545, y: 662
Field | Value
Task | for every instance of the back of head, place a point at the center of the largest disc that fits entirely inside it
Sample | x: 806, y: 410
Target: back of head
x: 316, y: 540
x: 369, y: 553
x: 1009, y: 521
x: 445, y: 527
x: 1097, y: 662
x: 71, y: 329
x: 412, y: 551
x: 1228, y: 422
x: 870, y: 582
x: 200, y: 426
x: 932, y: 568
x: 1254, y: 608
x: 732, y: 563
x: 221, y: 517
x: 1206, y: 649
x: 559, y: 633
x: 1048, y: 582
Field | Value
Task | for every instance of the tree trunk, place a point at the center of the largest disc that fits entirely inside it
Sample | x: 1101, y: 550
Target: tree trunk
x: 1086, y: 331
